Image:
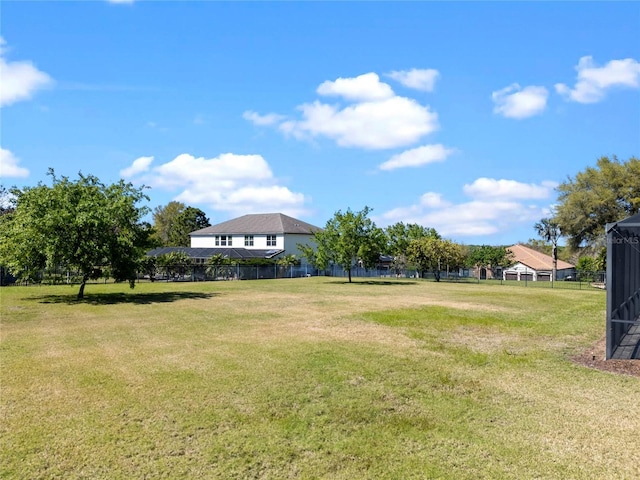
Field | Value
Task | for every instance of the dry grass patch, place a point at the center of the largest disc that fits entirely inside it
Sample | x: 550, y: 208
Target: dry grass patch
x: 309, y: 378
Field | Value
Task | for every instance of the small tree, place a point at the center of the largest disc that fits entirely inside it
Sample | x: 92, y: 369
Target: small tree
x: 218, y: 265
x: 81, y: 225
x: 435, y: 254
x: 489, y: 257
x: 287, y: 262
x: 587, y: 267
x: 174, y: 264
x: 399, y: 236
x: 148, y: 266
x: 348, y: 238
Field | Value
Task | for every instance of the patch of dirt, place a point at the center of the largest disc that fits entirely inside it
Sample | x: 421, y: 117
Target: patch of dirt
x: 594, y: 358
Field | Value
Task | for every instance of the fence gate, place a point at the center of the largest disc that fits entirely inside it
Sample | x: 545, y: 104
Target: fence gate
x: 623, y: 289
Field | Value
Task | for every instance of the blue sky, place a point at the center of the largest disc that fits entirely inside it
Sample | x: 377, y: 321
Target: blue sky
x: 462, y: 116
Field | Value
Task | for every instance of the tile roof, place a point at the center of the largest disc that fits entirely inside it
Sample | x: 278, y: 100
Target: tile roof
x: 536, y: 260
x: 259, y: 223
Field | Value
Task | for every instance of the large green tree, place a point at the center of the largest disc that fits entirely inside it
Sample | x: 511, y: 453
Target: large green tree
x: 164, y: 218
x: 187, y: 221
x: 435, y: 254
x: 82, y: 225
x: 603, y: 194
x: 348, y: 238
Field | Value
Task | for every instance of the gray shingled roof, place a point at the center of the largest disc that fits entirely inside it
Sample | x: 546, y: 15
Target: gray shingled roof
x: 259, y: 223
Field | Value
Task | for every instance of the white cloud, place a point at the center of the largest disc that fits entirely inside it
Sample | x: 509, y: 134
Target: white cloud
x: 417, y: 157
x: 389, y: 123
x: 9, y: 165
x: 490, y: 188
x: 361, y: 88
x: 375, y: 118
x: 20, y: 80
x: 232, y: 183
x: 138, y: 166
x: 262, y: 120
x: 468, y: 219
x: 593, y: 82
x: 484, y: 214
x: 433, y: 200
x: 418, y: 79
x: 516, y: 102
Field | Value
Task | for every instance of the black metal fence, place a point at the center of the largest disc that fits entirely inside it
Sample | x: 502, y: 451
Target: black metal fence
x: 200, y: 272
x: 623, y: 289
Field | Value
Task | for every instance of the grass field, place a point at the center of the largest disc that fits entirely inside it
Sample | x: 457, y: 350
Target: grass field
x: 310, y: 378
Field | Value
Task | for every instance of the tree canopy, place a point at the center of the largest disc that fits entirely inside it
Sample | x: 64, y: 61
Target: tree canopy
x: 185, y: 222
x: 435, y: 254
x: 399, y: 236
x: 82, y: 225
x: 164, y: 218
x: 6, y: 201
x: 489, y: 257
x: 174, y: 264
x: 175, y: 221
x: 348, y: 238
x: 603, y: 194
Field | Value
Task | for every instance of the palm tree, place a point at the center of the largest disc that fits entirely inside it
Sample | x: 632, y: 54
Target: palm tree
x: 549, y: 230
x: 218, y: 264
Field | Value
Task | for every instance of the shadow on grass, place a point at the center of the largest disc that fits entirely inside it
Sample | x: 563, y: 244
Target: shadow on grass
x: 117, y: 298
x: 373, y: 282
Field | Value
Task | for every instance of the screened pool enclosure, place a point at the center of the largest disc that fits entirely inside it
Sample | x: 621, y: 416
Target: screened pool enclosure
x: 623, y: 289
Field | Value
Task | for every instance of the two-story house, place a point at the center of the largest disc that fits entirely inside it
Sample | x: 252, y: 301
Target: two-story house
x: 262, y: 235
x: 266, y: 234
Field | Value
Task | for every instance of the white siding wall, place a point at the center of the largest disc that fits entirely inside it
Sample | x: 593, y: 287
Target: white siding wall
x: 259, y: 242
x: 202, y: 242
x: 291, y: 243
x: 523, y: 269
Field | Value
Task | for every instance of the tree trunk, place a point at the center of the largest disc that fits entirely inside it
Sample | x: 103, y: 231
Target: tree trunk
x: 349, y: 271
x: 555, y: 264
x: 81, y: 291
x: 436, y: 274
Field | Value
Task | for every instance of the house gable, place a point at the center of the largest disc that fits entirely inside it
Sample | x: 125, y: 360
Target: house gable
x: 259, y: 224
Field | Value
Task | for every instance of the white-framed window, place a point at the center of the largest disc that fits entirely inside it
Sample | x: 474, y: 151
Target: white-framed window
x: 224, y: 240
x: 271, y: 240
x: 248, y: 240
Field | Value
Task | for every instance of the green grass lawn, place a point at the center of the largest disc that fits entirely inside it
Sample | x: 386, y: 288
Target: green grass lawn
x: 310, y: 378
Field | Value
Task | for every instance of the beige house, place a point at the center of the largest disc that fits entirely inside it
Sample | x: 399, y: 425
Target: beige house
x: 535, y: 266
